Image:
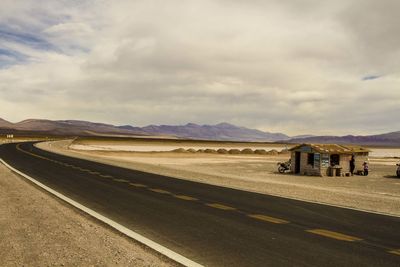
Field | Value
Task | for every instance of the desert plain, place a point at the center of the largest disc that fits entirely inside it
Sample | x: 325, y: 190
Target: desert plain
x: 41, y: 230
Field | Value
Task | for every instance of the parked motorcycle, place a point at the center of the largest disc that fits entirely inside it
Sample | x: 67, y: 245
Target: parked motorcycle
x: 284, y: 166
x: 398, y: 170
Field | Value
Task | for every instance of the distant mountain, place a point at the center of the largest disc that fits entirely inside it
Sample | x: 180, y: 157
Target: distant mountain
x: 302, y: 136
x: 221, y: 131
x: 388, y: 139
x: 65, y: 127
x: 5, y: 124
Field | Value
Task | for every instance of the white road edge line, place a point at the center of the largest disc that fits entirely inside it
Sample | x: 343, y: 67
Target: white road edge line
x: 153, y: 245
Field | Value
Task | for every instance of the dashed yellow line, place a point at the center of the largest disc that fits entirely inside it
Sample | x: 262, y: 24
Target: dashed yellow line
x: 138, y: 185
x: 120, y: 180
x: 220, y: 206
x: 161, y: 191
x: 188, y: 198
x: 29, y: 153
x: 266, y: 218
x: 105, y: 176
x: 396, y: 252
x: 334, y: 235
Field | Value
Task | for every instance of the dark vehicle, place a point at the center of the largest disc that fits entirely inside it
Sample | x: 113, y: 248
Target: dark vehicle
x: 284, y: 166
x: 398, y: 170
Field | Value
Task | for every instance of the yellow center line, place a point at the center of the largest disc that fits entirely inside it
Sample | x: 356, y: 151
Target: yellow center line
x: 396, y: 251
x: 138, y: 185
x: 29, y: 153
x: 267, y: 218
x: 334, y: 235
x: 121, y: 180
x: 105, y: 176
x: 185, y: 197
x: 161, y: 191
x: 75, y: 167
x: 220, y: 206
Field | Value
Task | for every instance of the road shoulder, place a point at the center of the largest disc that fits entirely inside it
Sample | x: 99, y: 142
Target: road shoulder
x: 39, y: 230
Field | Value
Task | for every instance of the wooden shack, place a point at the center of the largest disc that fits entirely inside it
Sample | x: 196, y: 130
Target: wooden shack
x: 326, y: 159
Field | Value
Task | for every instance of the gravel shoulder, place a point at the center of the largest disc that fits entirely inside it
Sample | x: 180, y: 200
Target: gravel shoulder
x: 39, y: 230
x: 379, y: 192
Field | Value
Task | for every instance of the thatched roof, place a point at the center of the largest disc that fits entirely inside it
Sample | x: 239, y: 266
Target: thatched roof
x: 333, y: 148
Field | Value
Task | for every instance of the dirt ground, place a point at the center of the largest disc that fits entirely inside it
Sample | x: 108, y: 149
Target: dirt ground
x: 378, y: 192
x: 39, y: 230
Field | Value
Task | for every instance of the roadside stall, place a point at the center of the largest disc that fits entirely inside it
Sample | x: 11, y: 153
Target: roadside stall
x: 327, y: 159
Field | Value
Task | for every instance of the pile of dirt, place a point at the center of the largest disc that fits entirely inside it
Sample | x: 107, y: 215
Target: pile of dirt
x: 273, y: 152
x: 234, y: 151
x: 179, y: 150
x: 260, y: 152
x: 247, y: 151
x: 222, y: 151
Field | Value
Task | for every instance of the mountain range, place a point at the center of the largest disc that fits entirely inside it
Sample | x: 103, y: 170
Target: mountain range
x: 221, y: 131
x: 387, y: 139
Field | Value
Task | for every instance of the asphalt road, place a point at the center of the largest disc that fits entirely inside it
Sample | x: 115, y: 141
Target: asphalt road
x: 217, y: 226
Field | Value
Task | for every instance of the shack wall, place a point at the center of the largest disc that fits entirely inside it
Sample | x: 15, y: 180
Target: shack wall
x: 293, y: 160
x: 308, y: 169
x: 359, y: 160
x: 345, y: 162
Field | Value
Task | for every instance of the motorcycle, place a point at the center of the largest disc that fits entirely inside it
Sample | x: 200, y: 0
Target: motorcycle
x: 398, y: 170
x: 284, y: 166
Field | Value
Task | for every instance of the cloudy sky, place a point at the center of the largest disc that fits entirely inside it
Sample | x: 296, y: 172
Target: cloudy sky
x: 295, y: 66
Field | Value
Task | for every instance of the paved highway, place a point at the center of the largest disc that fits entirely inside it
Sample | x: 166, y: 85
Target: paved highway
x: 217, y: 226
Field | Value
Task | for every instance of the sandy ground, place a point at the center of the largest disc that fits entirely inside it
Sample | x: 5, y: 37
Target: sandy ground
x: 38, y: 230
x: 378, y: 192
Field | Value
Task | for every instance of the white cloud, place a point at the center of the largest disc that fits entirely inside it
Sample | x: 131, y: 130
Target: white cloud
x: 295, y: 67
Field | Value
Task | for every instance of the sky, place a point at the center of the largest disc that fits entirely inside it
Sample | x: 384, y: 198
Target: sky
x: 297, y: 67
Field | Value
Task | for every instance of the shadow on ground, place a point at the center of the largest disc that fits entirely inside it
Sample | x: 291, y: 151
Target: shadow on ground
x: 391, y: 177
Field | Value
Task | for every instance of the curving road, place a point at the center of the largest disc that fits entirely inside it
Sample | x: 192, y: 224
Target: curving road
x: 217, y: 226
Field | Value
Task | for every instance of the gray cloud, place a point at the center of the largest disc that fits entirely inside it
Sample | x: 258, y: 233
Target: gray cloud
x: 291, y: 66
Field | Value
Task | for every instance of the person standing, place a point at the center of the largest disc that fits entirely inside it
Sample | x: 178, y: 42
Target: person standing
x: 352, y: 165
x: 366, y: 168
